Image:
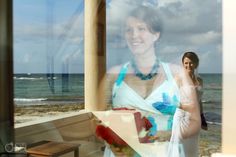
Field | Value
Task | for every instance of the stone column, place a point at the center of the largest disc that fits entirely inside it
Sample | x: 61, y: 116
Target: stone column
x: 95, y: 52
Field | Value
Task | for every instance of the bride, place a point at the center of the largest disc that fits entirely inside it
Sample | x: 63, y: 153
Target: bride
x: 155, y: 88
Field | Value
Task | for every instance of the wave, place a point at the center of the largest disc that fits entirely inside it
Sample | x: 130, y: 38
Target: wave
x: 29, y: 99
x: 53, y: 78
x: 214, y: 123
x: 213, y: 118
x: 45, y: 101
x: 212, y: 88
x: 211, y: 101
x: 28, y: 78
x: 33, y: 78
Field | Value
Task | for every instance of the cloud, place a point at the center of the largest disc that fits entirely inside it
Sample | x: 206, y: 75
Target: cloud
x: 26, y: 58
x: 73, y: 56
x: 65, y: 30
x: 219, y: 49
x: 206, y: 38
x: 35, y: 39
x: 211, y: 62
x: 164, y: 3
x: 114, y: 11
x: 191, y: 16
x: 189, y: 25
x: 169, y: 49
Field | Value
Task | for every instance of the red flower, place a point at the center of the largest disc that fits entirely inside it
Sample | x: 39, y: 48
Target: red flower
x: 112, y: 138
x: 123, y: 108
x: 147, y: 123
x: 109, y: 136
x: 142, y: 122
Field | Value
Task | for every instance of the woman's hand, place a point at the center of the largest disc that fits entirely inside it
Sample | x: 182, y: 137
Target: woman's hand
x: 161, y: 136
x: 117, y: 151
x: 122, y: 151
x: 96, y: 121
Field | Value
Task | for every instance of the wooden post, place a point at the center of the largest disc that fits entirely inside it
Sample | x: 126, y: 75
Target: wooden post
x: 95, y: 51
x: 6, y: 74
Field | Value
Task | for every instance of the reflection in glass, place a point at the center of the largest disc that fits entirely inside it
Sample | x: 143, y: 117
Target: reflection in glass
x: 181, y: 32
x: 48, y: 57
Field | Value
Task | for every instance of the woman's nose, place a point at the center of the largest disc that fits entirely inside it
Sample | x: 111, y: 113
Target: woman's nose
x: 187, y: 65
x: 134, y: 33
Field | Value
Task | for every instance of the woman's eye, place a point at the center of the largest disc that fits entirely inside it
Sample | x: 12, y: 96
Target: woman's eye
x: 127, y: 30
x: 141, y: 29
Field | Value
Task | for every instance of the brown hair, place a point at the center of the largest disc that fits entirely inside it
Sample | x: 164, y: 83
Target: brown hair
x: 148, y: 15
x: 192, y: 56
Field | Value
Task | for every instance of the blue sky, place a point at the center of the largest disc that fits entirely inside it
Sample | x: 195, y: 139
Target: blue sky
x: 46, y: 29
x: 52, y: 30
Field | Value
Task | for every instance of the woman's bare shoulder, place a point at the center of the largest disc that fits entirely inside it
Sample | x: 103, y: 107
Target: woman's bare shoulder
x: 176, y: 70
x: 114, y: 70
x: 180, y: 74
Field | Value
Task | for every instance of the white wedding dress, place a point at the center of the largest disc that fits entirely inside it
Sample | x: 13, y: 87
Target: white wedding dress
x: 124, y: 96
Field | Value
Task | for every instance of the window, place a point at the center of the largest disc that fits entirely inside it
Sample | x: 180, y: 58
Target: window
x: 48, y: 58
x: 187, y: 26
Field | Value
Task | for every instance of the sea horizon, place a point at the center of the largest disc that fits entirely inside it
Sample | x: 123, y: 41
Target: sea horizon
x: 36, y: 89
x: 71, y: 86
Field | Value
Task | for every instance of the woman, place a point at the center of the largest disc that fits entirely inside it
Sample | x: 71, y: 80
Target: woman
x: 157, y: 89
x: 190, y: 62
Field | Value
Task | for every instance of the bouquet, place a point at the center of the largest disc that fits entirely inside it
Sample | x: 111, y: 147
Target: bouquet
x: 143, y: 125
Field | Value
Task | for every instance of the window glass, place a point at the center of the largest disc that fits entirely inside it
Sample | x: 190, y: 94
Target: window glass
x: 186, y: 26
x: 48, y: 58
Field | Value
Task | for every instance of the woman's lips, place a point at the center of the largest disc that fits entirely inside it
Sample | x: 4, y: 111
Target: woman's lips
x: 136, y: 43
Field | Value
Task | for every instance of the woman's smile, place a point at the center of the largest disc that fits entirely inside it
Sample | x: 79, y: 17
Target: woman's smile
x: 138, y: 36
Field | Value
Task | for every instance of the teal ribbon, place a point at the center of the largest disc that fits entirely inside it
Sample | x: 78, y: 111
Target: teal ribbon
x: 153, y: 129
x: 167, y: 106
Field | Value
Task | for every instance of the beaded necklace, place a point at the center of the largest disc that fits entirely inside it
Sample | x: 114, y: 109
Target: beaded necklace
x: 142, y: 76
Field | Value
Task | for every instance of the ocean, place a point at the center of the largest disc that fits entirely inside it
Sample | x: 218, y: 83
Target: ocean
x: 39, y: 89
x: 212, y: 97
x: 34, y: 89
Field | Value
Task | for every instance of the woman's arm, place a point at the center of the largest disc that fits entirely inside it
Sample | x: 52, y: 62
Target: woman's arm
x: 194, y: 122
x: 200, y: 92
x: 190, y: 121
x: 105, y: 88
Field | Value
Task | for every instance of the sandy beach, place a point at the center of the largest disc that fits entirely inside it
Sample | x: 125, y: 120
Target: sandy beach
x: 209, y: 141
x: 29, y: 113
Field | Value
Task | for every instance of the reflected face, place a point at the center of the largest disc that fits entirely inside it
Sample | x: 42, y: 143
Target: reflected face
x: 138, y: 36
x: 189, y: 65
